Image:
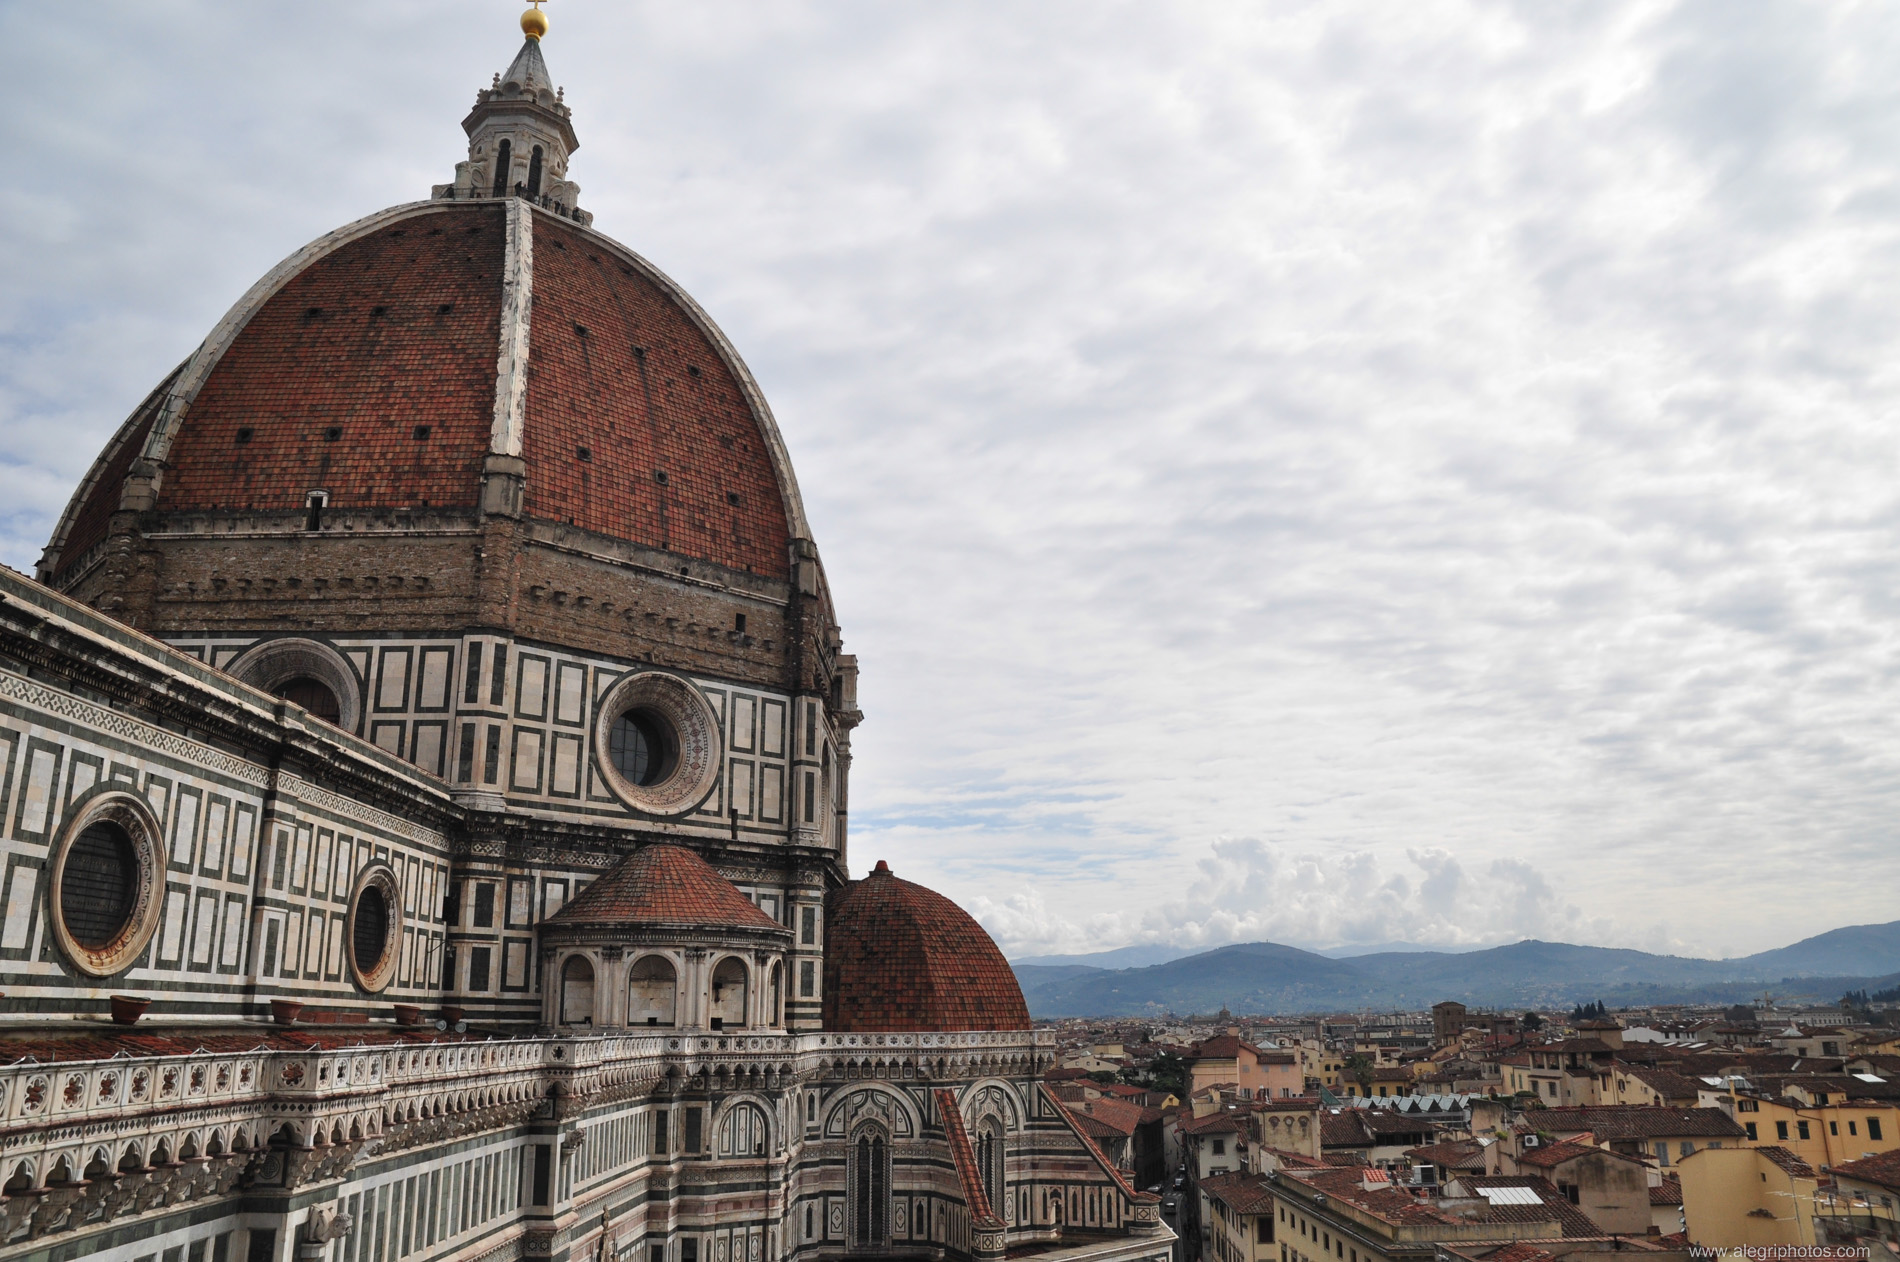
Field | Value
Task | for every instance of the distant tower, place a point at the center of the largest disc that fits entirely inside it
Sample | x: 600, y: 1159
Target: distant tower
x: 520, y: 135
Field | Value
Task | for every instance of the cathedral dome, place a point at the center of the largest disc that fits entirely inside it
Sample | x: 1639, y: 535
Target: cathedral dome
x: 902, y: 957
x: 398, y: 364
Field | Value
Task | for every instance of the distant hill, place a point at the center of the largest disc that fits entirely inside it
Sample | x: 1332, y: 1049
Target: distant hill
x: 1838, y: 952
x: 1358, y: 949
x: 1120, y: 957
x: 1266, y: 977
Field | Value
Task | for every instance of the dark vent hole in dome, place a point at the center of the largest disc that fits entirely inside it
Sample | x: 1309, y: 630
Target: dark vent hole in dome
x: 313, y: 696
x: 245, y: 433
x: 584, y: 454
x: 643, y: 747
x: 95, y: 893
x: 423, y: 432
x: 379, y: 311
x: 370, y: 939
x: 732, y: 498
x: 332, y: 434
x: 659, y: 475
x: 580, y: 329
x: 311, y: 313
x: 445, y: 308
x: 692, y: 370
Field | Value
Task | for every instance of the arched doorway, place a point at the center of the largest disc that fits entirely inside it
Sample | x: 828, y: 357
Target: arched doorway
x: 577, y: 991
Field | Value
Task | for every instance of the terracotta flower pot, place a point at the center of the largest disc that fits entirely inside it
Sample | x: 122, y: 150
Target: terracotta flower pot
x: 284, y: 1011
x: 452, y: 1014
x: 127, y: 1009
x: 408, y: 1014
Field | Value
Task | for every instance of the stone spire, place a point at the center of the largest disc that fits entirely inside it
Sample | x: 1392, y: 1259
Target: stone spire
x: 520, y: 135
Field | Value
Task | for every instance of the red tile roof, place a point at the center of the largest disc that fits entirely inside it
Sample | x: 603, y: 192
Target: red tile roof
x: 1787, y: 1160
x: 901, y: 957
x: 664, y: 885
x: 1243, y: 1193
x: 1882, y: 1168
x: 1550, y: 1156
x: 1639, y: 1121
x: 1668, y: 1192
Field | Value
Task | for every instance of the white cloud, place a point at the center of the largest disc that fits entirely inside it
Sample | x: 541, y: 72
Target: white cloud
x: 1451, y: 443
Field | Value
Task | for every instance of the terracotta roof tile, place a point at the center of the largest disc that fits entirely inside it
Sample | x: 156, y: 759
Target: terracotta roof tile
x: 1640, y: 1121
x: 902, y: 957
x: 664, y: 885
x: 1883, y: 1168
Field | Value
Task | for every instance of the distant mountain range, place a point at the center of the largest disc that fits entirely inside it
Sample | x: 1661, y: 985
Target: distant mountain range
x: 1265, y: 977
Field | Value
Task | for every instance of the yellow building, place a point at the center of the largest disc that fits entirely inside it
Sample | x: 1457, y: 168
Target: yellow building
x: 1735, y: 1197
x: 1820, y: 1127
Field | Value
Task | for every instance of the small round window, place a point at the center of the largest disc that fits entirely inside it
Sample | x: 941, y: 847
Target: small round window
x: 644, y: 746
x: 100, y: 886
x: 375, y: 926
x: 106, y: 888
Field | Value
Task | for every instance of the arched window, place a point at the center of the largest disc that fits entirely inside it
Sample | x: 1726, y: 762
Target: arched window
x: 653, y: 992
x: 869, y: 1181
x: 504, y: 159
x: 742, y: 1132
x: 729, y: 986
x: 775, y: 996
x: 577, y: 991
x: 534, y: 172
x: 989, y: 1161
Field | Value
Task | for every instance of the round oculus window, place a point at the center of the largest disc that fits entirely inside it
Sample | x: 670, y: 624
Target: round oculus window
x: 369, y: 940
x: 644, y: 746
x: 106, y: 883
x: 374, y: 928
x: 102, y: 880
x: 658, y: 743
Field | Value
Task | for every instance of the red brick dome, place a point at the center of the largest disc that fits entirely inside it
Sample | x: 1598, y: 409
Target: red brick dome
x: 901, y: 957
x: 375, y: 366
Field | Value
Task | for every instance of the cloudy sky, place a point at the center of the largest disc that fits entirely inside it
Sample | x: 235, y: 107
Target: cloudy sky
x: 1331, y: 472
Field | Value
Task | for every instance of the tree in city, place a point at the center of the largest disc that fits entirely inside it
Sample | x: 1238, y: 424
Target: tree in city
x: 1589, y: 1012
x: 1532, y: 1021
x: 1358, y: 1067
x: 1169, y: 1073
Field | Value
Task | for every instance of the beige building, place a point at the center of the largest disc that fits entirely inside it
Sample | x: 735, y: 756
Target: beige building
x: 1735, y: 1197
x: 1256, y: 1073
